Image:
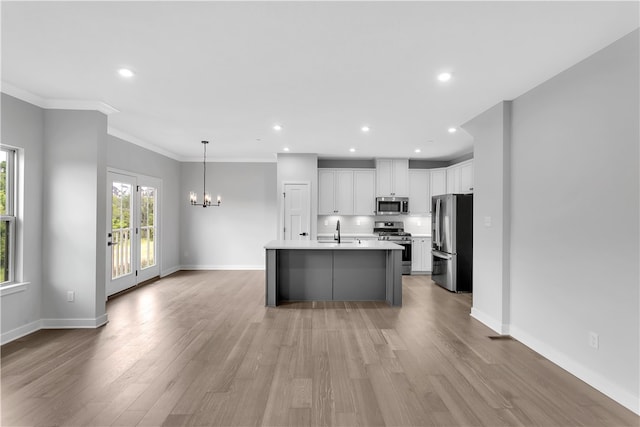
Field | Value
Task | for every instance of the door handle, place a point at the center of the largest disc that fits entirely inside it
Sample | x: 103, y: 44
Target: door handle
x: 441, y: 255
x: 304, y: 234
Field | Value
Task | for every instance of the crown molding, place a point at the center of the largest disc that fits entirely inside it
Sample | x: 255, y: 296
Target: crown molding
x: 57, y: 104
x: 230, y: 160
x: 142, y: 143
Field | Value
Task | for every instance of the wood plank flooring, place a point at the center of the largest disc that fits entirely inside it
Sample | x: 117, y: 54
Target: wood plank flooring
x: 200, y: 349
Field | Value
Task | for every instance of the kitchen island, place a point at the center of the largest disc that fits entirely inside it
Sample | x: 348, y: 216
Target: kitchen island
x: 331, y: 271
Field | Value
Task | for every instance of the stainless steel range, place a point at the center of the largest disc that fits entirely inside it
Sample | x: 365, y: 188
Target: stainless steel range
x: 393, y: 231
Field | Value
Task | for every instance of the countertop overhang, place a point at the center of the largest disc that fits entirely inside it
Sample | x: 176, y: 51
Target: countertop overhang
x: 320, y: 245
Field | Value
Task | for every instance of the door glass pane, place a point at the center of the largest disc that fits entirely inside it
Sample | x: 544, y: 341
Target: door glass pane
x: 120, y: 229
x: 147, y: 227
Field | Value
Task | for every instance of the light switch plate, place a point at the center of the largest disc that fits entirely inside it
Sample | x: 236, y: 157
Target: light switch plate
x: 487, y: 221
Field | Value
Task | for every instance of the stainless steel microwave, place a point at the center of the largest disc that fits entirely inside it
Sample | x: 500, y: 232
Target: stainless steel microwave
x: 392, y: 205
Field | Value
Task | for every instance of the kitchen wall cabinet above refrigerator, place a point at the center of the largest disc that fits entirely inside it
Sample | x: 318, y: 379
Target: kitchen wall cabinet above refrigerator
x: 437, y: 182
x: 460, y: 178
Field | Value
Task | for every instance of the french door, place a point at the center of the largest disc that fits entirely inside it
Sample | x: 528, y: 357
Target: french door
x: 132, y: 236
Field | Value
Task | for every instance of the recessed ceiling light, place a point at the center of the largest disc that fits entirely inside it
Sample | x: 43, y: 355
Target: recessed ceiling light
x: 365, y: 128
x: 277, y: 127
x: 285, y: 149
x: 452, y: 130
x: 444, y: 77
x: 417, y: 150
x: 125, y: 72
x: 353, y: 150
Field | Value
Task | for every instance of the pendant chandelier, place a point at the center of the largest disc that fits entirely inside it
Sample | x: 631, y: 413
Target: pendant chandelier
x: 206, y: 199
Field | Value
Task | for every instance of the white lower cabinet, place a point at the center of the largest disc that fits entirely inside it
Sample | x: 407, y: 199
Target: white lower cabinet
x: 421, y: 255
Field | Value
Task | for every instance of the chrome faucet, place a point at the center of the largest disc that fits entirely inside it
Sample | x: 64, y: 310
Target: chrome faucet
x: 338, y: 230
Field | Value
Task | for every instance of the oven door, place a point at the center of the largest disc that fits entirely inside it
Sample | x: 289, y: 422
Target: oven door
x: 406, y: 256
x: 406, y: 251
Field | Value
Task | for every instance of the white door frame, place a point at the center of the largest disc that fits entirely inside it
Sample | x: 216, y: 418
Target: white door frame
x: 281, y: 231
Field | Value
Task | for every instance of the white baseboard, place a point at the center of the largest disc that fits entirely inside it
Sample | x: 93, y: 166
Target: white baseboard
x: 222, y: 267
x: 594, y: 379
x: 75, y: 323
x: 32, y: 327
x: 489, y: 321
x: 169, y: 271
x: 20, y: 332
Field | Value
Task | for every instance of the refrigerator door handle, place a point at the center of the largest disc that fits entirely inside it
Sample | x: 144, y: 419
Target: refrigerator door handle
x: 437, y: 241
x: 442, y: 255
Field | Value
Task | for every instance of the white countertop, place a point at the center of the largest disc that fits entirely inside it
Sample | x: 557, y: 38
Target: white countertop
x: 314, y: 244
x: 350, y: 235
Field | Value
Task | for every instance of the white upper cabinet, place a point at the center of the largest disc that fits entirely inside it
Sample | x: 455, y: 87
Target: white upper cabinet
x: 460, y: 177
x: 384, y: 177
x: 335, y: 192
x: 326, y: 190
x: 438, y: 182
x: 346, y: 191
x: 392, y: 177
x: 419, y: 191
x: 364, y: 191
x: 466, y: 177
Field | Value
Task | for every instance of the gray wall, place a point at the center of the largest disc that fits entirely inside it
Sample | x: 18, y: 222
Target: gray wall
x: 491, y: 202
x: 74, y: 200
x: 23, y: 127
x: 574, y: 213
x: 132, y: 158
x: 231, y: 236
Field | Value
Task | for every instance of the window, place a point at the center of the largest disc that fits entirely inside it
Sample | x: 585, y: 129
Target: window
x: 7, y: 213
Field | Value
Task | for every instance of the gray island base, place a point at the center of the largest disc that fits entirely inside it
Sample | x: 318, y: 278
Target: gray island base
x: 327, y: 271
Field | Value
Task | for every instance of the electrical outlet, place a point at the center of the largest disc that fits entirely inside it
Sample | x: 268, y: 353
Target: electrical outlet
x: 594, y: 340
x: 71, y: 296
x: 326, y: 222
x: 357, y: 222
x: 487, y: 221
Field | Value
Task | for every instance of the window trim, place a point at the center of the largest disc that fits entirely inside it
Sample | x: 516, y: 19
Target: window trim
x: 10, y: 215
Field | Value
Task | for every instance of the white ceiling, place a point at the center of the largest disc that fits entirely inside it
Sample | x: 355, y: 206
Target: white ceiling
x: 227, y: 71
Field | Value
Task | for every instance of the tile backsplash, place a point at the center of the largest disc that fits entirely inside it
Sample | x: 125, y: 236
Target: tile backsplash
x: 364, y: 224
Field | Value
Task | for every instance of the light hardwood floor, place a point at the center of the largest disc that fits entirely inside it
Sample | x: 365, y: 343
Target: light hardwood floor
x: 200, y: 348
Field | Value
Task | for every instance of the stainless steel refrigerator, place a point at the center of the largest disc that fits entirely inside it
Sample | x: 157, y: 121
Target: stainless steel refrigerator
x: 452, y: 237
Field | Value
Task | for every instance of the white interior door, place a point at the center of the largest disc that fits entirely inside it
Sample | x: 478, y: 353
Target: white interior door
x: 121, y: 252
x: 133, y: 230
x: 297, y: 212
